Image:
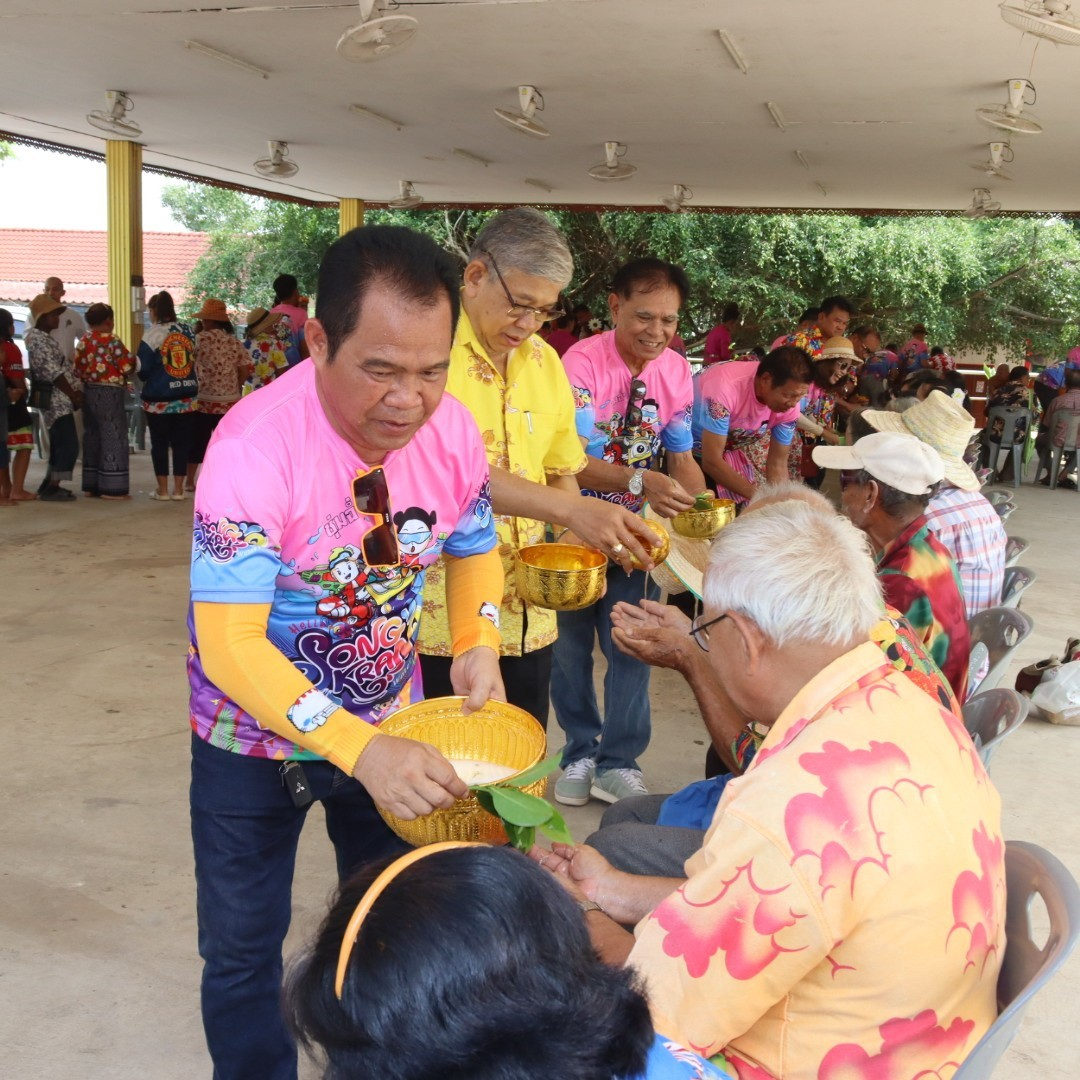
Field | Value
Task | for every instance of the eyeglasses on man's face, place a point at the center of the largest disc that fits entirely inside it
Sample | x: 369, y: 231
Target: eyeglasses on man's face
x: 699, y: 630
x: 516, y: 310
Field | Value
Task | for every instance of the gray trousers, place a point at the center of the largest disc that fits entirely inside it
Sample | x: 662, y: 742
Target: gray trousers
x: 631, y: 841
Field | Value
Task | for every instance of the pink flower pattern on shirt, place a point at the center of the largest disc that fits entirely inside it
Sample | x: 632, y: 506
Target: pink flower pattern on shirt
x: 978, y: 899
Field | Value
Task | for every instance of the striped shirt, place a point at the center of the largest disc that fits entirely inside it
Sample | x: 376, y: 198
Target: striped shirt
x: 966, y: 523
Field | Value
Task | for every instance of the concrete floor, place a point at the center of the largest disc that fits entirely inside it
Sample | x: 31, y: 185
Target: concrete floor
x: 98, y: 966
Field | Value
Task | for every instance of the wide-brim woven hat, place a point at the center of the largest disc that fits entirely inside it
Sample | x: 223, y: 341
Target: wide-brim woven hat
x: 684, y: 568
x: 44, y: 304
x: 838, y: 348
x: 940, y: 422
x: 213, y: 311
x: 259, y: 320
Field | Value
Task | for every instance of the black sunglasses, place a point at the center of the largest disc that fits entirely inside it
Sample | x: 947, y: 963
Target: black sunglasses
x: 372, y: 498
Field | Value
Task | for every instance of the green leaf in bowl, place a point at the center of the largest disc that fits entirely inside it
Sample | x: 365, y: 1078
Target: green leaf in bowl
x: 521, y: 808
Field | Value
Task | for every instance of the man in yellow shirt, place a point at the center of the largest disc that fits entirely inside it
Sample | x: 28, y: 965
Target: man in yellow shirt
x: 515, y: 386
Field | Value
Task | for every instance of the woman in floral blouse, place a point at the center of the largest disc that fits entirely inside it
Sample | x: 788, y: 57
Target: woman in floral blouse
x: 222, y: 365
x: 103, y: 363
x: 49, y: 366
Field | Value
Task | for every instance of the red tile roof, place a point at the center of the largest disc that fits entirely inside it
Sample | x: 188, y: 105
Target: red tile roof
x: 81, y: 260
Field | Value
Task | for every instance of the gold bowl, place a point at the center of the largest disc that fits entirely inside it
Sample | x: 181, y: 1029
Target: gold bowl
x: 705, y: 524
x: 659, y: 551
x: 498, y: 733
x: 562, y: 577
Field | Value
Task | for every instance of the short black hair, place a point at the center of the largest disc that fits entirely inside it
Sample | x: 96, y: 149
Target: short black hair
x: 284, y: 286
x: 1018, y: 372
x: 647, y: 274
x: 96, y: 314
x: 162, y: 307
x: 408, y: 263
x: 937, y: 350
x: 810, y: 315
x: 831, y: 303
x: 787, y: 364
x: 7, y: 323
x: 473, y: 964
x: 1072, y: 377
x: 731, y: 312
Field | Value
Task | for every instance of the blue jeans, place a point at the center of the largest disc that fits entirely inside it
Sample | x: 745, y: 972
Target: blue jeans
x: 623, y: 734
x: 245, y: 829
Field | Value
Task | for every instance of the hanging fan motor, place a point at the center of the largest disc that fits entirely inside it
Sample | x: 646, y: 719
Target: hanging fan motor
x: 680, y: 195
x: 277, y: 165
x: 1048, y: 19
x: 523, y: 118
x: 408, y: 199
x: 611, y: 168
x: 375, y: 37
x: 982, y: 205
x: 1001, y: 153
x: 113, y: 119
x: 1010, y: 117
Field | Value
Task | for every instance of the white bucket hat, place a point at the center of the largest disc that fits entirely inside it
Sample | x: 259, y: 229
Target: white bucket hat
x: 940, y: 422
x: 901, y: 461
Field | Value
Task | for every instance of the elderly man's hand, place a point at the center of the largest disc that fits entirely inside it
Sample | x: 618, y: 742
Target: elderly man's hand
x: 408, y: 778
x: 656, y: 634
x: 475, y: 675
x: 580, y: 869
x: 613, y: 530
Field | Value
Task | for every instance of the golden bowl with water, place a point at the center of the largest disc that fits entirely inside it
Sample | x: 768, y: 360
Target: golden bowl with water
x: 562, y: 577
x: 659, y: 551
x: 705, y: 524
x: 498, y: 735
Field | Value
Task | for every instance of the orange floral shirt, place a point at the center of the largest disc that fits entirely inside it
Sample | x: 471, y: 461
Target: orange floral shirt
x: 102, y: 359
x: 845, y: 918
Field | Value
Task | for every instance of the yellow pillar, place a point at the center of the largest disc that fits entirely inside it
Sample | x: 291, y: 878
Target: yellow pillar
x: 123, y: 167
x: 350, y: 215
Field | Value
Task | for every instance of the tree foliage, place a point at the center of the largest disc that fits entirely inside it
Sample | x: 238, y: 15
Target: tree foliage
x: 978, y: 285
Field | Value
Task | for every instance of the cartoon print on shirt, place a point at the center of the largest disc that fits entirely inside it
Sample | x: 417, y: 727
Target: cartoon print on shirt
x: 343, y: 578
x: 414, y: 534
x: 488, y: 610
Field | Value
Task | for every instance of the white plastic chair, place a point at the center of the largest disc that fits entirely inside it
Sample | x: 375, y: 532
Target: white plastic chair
x: 1026, y: 968
x: 1017, y: 580
x: 1014, y: 548
x: 1071, y: 423
x: 995, y: 636
x: 1013, y: 436
x: 992, y: 715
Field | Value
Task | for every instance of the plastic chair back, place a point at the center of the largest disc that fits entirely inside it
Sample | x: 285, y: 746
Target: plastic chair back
x: 995, y: 635
x: 1014, y: 548
x: 1070, y: 421
x: 1005, y: 511
x: 1016, y: 423
x: 1026, y: 969
x: 1018, y: 579
x: 995, y: 496
x: 992, y: 715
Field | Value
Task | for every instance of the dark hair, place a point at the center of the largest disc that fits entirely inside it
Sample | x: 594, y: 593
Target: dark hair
x: 858, y: 426
x: 809, y: 315
x: 730, y: 312
x: 284, y: 287
x: 831, y: 303
x: 648, y: 274
x: 579, y: 308
x: 937, y: 350
x: 787, y: 364
x: 917, y: 329
x: 1017, y: 373
x: 892, y: 347
x: 892, y: 500
x: 162, y: 307
x: 924, y: 375
x: 96, y: 314
x: 473, y: 964
x: 408, y: 263
x: 863, y: 330
x: 7, y: 324
x: 1072, y: 376
x: 759, y: 351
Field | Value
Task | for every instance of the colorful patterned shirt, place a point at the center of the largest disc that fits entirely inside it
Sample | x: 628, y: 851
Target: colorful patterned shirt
x: 845, y: 916
x: 526, y: 423
x: 669, y: 1061
x: 222, y: 365
x: 269, y: 355
x: 47, y: 364
x: 810, y: 341
x: 919, y: 579
x: 972, y: 532
x: 103, y: 359
x: 275, y: 523
x: 601, y: 383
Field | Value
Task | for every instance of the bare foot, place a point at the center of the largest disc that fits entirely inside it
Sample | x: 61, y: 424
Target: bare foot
x: 23, y: 496
x: 8, y: 502
x: 115, y: 498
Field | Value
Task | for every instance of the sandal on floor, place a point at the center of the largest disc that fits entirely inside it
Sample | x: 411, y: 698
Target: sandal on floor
x: 158, y: 497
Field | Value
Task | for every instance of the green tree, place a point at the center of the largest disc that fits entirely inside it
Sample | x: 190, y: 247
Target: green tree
x: 998, y: 282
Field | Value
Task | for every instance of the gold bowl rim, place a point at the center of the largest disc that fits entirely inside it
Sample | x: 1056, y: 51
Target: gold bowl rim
x: 601, y: 560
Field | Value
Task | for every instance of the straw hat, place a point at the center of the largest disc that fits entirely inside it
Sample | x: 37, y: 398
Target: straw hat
x: 684, y: 568
x: 940, y: 422
x: 259, y: 320
x: 43, y: 304
x: 838, y: 348
x: 214, y: 311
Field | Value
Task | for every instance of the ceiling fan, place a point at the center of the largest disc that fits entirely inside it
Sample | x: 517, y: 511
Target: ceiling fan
x: 675, y: 201
x: 408, y: 199
x: 523, y: 118
x: 1048, y: 19
x: 982, y: 205
x: 113, y: 119
x: 1010, y: 117
x: 277, y: 166
x: 1001, y: 153
x: 612, y: 168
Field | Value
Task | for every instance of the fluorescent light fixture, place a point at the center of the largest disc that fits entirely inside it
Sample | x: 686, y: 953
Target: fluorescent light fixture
x: 538, y: 184
x: 821, y: 187
x: 371, y: 114
x: 733, y: 51
x: 802, y: 159
x: 776, y: 114
x: 226, y: 58
x: 468, y: 155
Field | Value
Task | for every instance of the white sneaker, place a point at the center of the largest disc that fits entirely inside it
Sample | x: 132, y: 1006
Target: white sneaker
x: 614, y: 784
x: 572, y: 788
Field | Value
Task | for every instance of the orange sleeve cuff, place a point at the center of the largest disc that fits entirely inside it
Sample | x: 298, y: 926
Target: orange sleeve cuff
x: 474, y: 591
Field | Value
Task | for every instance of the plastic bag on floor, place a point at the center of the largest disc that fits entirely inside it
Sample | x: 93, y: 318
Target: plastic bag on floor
x: 1058, y: 695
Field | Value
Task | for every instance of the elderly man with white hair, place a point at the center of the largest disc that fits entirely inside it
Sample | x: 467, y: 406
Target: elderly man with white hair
x: 886, y: 483
x: 847, y: 906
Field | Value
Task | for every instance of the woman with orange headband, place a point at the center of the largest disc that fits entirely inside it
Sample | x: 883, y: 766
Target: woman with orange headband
x: 470, y: 962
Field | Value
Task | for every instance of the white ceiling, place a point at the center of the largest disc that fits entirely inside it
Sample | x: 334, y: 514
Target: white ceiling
x: 879, y: 96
